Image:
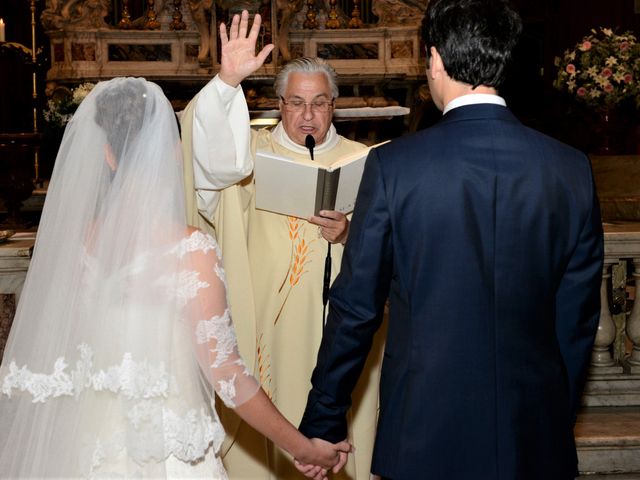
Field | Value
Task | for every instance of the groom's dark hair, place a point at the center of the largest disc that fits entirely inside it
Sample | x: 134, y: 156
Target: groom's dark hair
x: 475, y: 38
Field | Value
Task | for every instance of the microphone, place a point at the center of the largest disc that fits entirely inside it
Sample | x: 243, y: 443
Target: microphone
x: 310, y: 143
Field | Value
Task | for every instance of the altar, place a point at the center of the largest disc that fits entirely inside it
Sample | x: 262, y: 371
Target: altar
x: 179, y: 39
x: 374, y: 45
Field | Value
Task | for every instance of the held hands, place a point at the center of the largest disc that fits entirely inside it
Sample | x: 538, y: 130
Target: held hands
x: 322, y: 456
x: 239, y: 59
x: 334, y: 226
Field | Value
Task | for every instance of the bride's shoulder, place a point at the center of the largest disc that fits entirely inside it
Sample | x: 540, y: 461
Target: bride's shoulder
x: 196, y: 233
x: 195, y: 240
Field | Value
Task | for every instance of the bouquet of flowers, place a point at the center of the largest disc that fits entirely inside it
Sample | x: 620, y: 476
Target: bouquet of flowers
x: 602, y: 70
x: 63, y: 104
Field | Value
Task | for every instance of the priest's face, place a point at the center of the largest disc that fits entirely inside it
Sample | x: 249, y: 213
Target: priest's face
x: 306, y: 108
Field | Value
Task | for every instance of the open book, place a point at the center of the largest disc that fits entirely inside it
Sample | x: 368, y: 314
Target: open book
x: 301, y: 188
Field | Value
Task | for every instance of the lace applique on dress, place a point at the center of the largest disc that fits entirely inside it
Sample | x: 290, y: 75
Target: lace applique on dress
x: 130, y: 378
x: 184, y: 286
x: 159, y: 432
x: 186, y: 436
x: 224, y: 354
x: 220, y: 329
x: 220, y: 274
x: 197, y: 241
x: 227, y: 391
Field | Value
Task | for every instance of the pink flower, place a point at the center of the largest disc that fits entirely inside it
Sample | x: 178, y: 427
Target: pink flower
x: 606, y: 72
x: 608, y: 88
x: 628, y: 78
x: 571, y: 68
x: 581, y: 92
x: 586, y: 45
x: 624, y: 46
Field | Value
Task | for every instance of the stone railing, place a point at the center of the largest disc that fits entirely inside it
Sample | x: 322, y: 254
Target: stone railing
x: 614, y: 376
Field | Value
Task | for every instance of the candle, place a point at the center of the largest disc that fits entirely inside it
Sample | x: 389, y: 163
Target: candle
x: 1, y: 30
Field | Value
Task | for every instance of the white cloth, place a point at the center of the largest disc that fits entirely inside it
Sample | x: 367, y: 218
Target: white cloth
x: 123, y: 328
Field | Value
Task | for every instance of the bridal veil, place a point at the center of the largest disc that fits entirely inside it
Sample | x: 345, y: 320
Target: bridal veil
x: 99, y: 376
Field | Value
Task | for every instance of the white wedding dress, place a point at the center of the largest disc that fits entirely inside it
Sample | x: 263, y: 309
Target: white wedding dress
x: 135, y: 416
x: 122, y: 332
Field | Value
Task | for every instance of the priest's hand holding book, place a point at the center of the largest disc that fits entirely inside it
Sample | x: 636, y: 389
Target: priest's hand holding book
x: 334, y: 225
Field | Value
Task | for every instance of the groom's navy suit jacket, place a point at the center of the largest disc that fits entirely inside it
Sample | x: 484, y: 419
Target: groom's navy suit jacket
x: 486, y: 238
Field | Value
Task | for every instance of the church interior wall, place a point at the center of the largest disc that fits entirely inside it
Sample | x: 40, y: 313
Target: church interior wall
x: 550, y: 26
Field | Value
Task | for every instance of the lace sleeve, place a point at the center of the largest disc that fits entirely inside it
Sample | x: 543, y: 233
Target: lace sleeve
x: 208, y: 315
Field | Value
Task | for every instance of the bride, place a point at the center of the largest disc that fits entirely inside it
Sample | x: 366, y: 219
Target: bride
x: 123, y: 330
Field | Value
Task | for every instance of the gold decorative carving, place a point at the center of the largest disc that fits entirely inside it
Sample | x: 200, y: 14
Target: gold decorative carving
x: 151, y: 20
x: 311, y: 22
x: 333, y: 22
x: 125, y: 20
x: 356, y: 21
x: 177, y: 23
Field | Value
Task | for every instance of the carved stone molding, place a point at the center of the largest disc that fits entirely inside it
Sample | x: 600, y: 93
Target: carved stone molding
x: 393, y: 13
x: 83, y: 46
x: 75, y: 14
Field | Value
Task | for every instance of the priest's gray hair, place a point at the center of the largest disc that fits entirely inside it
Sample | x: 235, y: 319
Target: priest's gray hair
x: 306, y: 65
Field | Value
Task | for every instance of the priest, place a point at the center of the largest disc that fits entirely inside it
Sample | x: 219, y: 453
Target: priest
x: 274, y: 263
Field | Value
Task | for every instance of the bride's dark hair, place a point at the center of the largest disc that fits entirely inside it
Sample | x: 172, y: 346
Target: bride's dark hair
x: 120, y: 111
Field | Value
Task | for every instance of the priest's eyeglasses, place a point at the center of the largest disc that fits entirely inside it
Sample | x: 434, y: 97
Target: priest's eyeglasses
x: 299, y: 106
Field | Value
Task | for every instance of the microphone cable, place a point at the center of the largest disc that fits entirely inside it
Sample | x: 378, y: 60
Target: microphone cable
x: 310, y: 143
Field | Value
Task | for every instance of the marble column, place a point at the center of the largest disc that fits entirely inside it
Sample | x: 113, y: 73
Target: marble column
x: 633, y: 322
x: 601, y: 355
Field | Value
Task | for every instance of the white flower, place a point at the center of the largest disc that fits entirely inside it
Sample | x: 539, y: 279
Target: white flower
x: 60, y: 110
x: 81, y: 91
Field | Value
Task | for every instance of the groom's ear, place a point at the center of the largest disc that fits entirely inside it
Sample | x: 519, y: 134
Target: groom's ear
x: 436, y: 65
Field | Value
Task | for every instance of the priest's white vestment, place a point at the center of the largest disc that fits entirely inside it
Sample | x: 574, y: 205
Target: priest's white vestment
x: 274, y: 266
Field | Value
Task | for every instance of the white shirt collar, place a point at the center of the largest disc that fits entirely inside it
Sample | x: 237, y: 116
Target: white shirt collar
x: 474, y: 99
x: 281, y: 138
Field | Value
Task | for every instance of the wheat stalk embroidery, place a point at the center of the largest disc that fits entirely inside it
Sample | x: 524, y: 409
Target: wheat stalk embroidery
x: 299, y: 257
x: 264, y: 366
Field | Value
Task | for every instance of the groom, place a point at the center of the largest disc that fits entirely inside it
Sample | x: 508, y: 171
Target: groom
x: 486, y: 237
